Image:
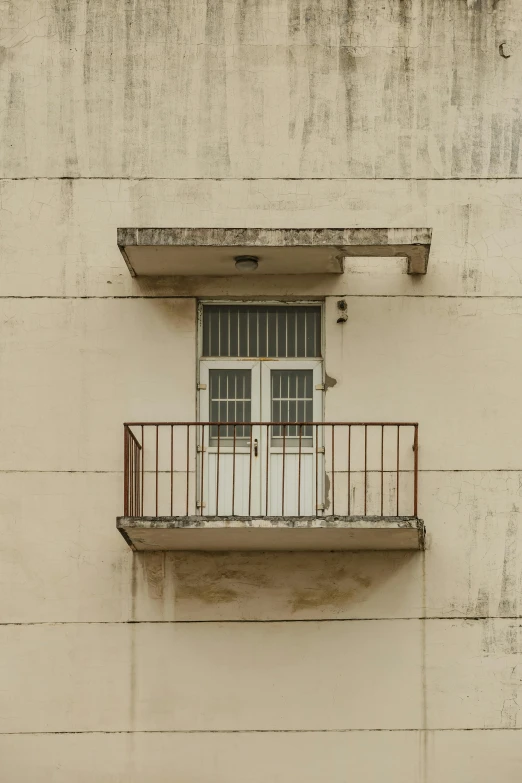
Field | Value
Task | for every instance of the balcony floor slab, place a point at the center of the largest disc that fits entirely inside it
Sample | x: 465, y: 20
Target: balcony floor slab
x: 348, y: 533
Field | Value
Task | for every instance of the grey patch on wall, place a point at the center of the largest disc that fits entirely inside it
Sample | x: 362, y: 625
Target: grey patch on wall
x: 329, y: 381
x: 153, y: 564
x: 252, y: 584
x: 508, y: 593
x: 217, y: 578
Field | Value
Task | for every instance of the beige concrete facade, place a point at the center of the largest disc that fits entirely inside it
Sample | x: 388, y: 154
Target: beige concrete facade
x: 285, y: 667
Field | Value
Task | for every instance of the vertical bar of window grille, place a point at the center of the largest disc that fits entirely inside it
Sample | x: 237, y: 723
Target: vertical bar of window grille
x: 125, y: 474
x: 349, y: 468
x: 365, y: 466
x: 171, y: 469
x: 234, y: 471
x: 188, y: 465
x: 333, y: 469
x: 283, y: 484
x: 398, y: 458
x: 299, y: 472
x: 217, y: 469
x: 382, y: 470
x: 267, y: 467
x: 202, y: 486
x: 157, y: 456
x: 415, y: 468
x: 143, y: 471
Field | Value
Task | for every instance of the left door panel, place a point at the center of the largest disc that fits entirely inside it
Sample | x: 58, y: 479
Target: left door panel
x: 228, y: 463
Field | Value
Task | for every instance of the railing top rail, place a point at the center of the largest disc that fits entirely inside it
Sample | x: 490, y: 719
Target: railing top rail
x: 279, y: 423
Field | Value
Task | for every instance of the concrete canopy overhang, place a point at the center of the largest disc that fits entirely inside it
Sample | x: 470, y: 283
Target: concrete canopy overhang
x: 160, y: 252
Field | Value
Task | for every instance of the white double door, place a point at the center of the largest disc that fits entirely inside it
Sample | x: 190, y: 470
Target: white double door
x: 259, y: 455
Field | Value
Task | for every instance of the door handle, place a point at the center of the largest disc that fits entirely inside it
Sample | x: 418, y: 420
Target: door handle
x: 255, y: 448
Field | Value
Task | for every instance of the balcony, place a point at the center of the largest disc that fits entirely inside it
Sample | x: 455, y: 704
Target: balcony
x: 271, y: 486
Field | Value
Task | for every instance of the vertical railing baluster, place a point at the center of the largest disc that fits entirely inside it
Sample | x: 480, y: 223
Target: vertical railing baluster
x: 187, y: 469
x: 333, y: 470
x: 142, y: 471
x: 299, y: 471
x: 415, y: 468
x: 202, y: 484
x: 171, y: 470
x: 217, y: 467
x: 317, y: 504
x: 250, y: 464
x: 267, y: 465
x: 398, y: 459
x: 131, y: 474
x: 382, y: 470
x: 349, y: 477
x: 125, y: 473
x: 137, y: 480
x: 365, y: 468
x: 284, y: 465
x: 234, y: 471
x: 157, y: 472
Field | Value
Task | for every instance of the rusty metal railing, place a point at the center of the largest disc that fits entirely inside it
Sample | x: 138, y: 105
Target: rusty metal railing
x: 266, y: 469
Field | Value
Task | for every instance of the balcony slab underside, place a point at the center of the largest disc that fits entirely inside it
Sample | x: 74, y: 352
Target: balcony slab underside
x: 348, y: 533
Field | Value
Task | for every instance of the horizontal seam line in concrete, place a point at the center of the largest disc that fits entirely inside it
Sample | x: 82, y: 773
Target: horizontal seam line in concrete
x: 119, y: 472
x: 327, y: 296
x: 124, y: 178
x: 253, y: 731
x: 451, y: 618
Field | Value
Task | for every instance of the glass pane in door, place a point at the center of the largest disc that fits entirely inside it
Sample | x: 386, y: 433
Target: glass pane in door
x: 230, y: 400
x: 292, y: 400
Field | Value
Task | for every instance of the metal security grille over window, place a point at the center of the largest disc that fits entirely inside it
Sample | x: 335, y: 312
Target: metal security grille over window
x: 262, y: 331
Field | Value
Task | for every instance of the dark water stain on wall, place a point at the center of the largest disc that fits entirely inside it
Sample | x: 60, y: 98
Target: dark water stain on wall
x: 63, y: 126
x: 212, y: 130
x: 509, y: 589
x: 153, y: 565
x: 13, y: 142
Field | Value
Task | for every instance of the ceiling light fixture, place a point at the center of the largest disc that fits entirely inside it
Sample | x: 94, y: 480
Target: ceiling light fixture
x: 246, y: 263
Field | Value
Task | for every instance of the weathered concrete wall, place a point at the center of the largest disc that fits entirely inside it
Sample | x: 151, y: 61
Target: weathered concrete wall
x: 261, y: 88
x: 288, y: 667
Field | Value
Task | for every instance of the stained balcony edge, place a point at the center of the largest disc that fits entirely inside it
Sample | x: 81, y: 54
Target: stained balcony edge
x: 196, y: 533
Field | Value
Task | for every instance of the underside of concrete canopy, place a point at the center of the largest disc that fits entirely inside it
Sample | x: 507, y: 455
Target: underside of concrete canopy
x: 159, y: 252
